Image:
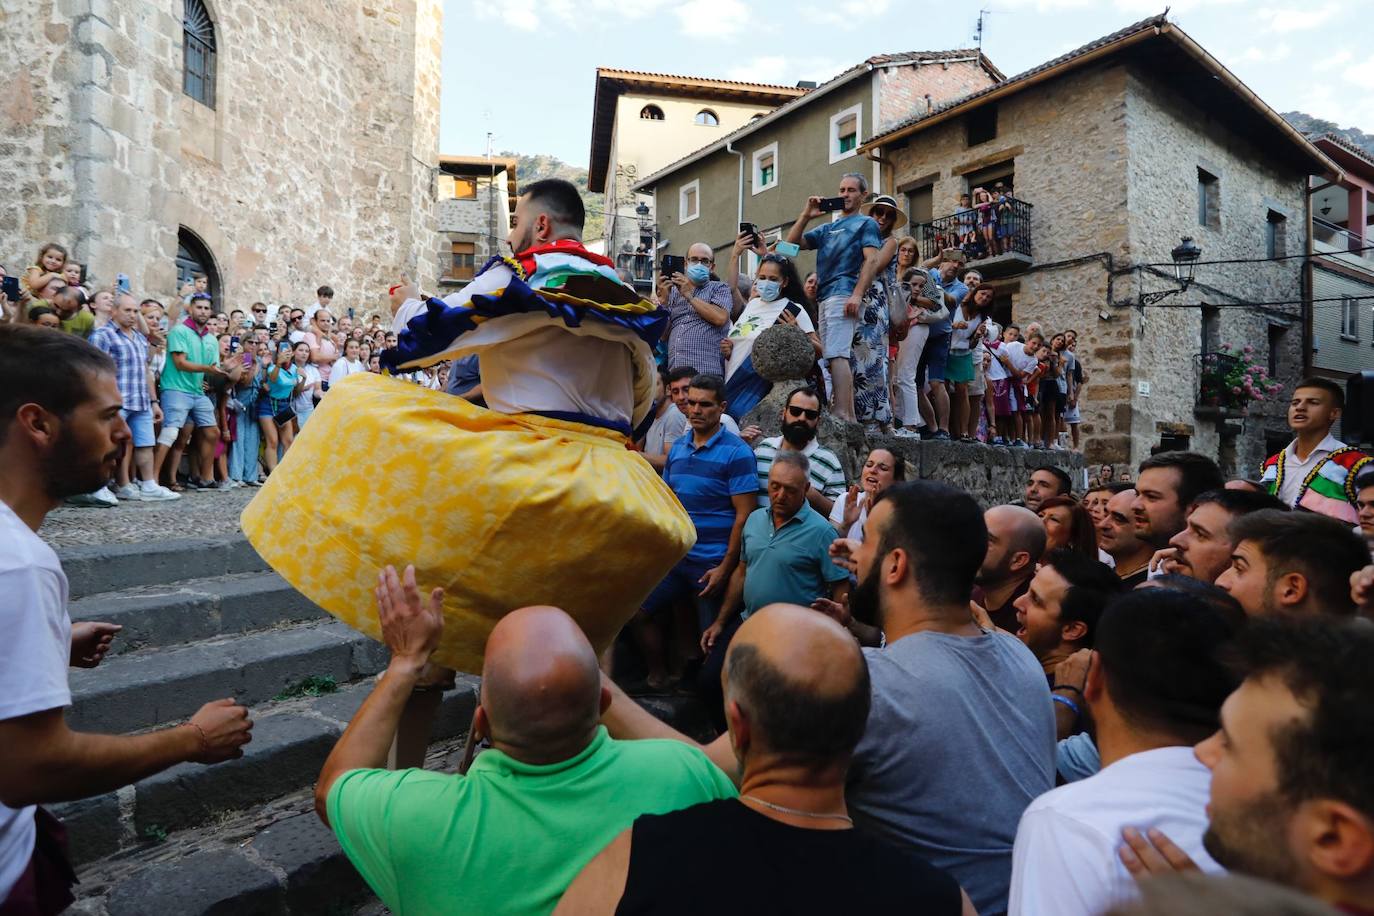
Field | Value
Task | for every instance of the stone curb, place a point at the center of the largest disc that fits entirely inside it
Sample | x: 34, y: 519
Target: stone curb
x: 111, y: 567
x: 196, y: 609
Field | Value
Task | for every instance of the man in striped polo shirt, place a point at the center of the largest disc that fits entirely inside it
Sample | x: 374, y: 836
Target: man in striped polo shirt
x: 711, y: 471
x: 800, y: 418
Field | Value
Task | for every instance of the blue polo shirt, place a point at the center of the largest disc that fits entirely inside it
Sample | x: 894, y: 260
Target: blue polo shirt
x: 790, y: 564
x: 704, y: 479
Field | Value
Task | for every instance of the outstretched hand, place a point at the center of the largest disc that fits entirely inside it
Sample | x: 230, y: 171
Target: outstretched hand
x: 411, y: 625
x: 91, y: 641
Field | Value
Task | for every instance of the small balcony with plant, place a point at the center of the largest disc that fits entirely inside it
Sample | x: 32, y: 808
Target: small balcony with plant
x: 1229, y: 381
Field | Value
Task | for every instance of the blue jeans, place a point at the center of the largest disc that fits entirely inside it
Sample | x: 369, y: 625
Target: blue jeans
x: 684, y: 581
x: 243, y: 451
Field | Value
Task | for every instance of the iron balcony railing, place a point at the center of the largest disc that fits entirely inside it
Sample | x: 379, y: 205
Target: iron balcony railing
x: 640, y: 266
x: 1008, y: 224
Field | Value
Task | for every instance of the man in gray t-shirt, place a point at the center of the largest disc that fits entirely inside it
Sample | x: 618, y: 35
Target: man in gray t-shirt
x: 960, y: 734
x: 960, y: 739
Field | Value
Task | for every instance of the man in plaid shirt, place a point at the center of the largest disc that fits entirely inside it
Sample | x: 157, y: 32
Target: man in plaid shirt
x: 698, y: 313
x: 129, y: 349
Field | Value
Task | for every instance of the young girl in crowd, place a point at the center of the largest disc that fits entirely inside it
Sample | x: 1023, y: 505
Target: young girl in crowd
x: 778, y: 299
x: 350, y: 364
x: 987, y: 219
x: 102, y: 304
x: 968, y: 329
x: 312, y: 386
x: 966, y: 223
x: 281, y: 382
x: 52, y: 258
x: 243, y: 404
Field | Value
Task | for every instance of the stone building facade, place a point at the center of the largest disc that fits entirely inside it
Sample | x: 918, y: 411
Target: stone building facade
x: 1111, y: 147
x: 477, y: 196
x: 311, y: 161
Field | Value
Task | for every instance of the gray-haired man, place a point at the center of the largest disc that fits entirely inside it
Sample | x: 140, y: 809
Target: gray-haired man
x: 842, y: 246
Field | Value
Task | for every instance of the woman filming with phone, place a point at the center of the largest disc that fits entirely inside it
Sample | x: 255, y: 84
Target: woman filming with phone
x: 778, y: 299
x: 281, y: 382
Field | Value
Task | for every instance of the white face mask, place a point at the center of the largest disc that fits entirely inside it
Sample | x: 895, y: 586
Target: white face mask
x: 768, y: 290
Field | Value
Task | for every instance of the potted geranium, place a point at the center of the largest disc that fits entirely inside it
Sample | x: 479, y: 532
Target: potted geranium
x: 1232, y: 379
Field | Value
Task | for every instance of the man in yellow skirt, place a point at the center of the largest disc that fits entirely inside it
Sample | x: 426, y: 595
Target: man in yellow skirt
x: 534, y: 500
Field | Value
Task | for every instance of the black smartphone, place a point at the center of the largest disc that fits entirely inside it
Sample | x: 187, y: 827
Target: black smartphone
x: 752, y: 230
x: 831, y: 204
x: 674, y: 264
x: 272, y: 327
x: 233, y: 344
x: 10, y: 286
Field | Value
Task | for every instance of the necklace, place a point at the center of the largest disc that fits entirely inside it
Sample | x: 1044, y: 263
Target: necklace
x: 786, y: 810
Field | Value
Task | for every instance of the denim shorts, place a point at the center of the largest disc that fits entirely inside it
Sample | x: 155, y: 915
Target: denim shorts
x: 141, y: 425
x: 837, y: 329
x: 178, y: 405
x: 934, y: 359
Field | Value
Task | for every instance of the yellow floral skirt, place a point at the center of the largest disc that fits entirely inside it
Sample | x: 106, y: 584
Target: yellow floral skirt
x: 503, y: 511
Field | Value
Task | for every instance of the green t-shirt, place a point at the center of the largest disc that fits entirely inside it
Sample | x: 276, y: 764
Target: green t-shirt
x: 199, y: 348
x: 82, y: 323
x: 509, y: 837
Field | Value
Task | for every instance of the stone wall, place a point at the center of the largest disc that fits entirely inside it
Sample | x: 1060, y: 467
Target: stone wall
x: 902, y: 91
x: 1169, y: 140
x: 315, y: 165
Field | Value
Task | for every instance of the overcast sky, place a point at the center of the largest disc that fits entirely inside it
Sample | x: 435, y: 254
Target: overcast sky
x: 526, y: 72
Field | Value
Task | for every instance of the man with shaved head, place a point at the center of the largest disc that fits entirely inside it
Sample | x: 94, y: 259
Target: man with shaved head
x: 510, y: 834
x: 796, y: 699
x: 1016, y: 540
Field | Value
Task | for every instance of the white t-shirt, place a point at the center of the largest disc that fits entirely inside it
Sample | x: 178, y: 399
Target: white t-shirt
x: 1296, y: 471
x: 342, y: 369
x: 34, y: 655
x: 305, y: 401
x: 996, y: 371
x: 757, y: 317
x: 1065, y: 861
x: 856, y: 530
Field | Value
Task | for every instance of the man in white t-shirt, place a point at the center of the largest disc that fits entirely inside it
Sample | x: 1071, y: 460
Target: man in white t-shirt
x: 1155, y: 688
x: 61, y: 432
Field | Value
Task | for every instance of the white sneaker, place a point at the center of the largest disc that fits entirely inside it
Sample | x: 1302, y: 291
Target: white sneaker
x: 157, y: 493
x: 906, y: 432
x: 128, y: 491
x: 100, y: 499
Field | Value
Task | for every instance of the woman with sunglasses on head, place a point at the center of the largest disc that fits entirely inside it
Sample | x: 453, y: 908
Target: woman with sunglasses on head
x: 778, y: 299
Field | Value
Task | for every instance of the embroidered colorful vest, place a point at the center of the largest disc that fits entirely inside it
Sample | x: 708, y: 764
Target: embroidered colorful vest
x: 1329, y: 488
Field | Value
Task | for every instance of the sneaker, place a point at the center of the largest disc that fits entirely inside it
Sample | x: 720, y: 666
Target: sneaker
x: 195, y: 483
x: 1019, y: 443
x: 157, y: 493
x: 907, y: 432
x: 100, y: 499
x: 251, y: 483
x: 940, y: 435
x: 222, y: 485
x: 998, y: 440
x: 128, y: 491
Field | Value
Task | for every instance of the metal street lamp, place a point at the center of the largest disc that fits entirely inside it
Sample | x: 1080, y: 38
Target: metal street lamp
x: 1185, y: 257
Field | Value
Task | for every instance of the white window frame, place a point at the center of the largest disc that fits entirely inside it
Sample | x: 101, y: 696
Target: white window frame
x: 1350, y: 318
x: 694, y: 186
x: 758, y: 155
x: 857, y: 111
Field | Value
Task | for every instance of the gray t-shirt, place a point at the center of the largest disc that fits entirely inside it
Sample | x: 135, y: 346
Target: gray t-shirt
x: 666, y: 429
x: 960, y: 739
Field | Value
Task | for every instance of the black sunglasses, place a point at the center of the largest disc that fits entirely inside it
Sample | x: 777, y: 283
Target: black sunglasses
x: 807, y: 412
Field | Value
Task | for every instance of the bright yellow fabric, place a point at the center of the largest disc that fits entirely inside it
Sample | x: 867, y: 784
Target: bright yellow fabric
x: 503, y: 511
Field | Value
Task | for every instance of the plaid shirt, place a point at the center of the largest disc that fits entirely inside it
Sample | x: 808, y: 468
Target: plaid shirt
x: 130, y: 353
x: 692, y: 340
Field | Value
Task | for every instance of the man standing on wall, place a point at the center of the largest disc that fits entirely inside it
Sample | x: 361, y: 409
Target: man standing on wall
x: 842, y: 246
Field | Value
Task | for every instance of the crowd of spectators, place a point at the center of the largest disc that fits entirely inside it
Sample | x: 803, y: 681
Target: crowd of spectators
x: 1038, y: 707
x: 904, y: 344
x: 226, y: 390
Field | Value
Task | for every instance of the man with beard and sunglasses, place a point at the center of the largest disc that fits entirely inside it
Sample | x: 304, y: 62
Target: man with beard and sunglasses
x: 801, y: 417
x: 1291, y: 799
x: 61, y: 433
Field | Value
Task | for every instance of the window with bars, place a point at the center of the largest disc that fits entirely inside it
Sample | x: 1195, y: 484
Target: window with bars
x: 198, y: 55
x: 464, y: 261
x: 1350, y: 318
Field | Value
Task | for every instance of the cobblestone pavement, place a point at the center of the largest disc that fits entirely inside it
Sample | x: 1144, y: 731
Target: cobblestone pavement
x: 199, y: 513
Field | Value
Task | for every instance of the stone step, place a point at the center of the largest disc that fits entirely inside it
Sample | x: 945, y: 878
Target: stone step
x: 291, y: 740
x: 109, y: 567
x: 195, y: 609
x: 150, y: 687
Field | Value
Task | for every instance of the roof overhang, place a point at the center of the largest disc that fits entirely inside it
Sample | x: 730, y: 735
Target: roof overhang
x: 612, y: 83
x: 1355, y: 161
x: 483, y: 166
x: 1174, y: 56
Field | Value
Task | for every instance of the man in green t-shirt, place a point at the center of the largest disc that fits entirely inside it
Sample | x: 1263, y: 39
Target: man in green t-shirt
x: 74, y: 319
x: 192, y: 351
x: 511, y: 834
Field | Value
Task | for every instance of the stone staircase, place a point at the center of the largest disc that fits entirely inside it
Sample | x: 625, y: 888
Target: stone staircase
x: 204, y: 619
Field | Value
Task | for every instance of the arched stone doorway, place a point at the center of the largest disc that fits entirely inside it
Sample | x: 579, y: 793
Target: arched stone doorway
x: 193, y: 257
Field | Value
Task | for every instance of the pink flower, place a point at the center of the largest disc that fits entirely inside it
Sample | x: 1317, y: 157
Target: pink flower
x: 1248, y: 349
x: 1235, y: 389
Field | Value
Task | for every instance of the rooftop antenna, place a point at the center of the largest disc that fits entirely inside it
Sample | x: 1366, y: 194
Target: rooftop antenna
x: 978, y: 29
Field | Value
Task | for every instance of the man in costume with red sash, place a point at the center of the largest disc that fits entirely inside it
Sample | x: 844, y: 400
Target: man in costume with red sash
x: 1316, y: 471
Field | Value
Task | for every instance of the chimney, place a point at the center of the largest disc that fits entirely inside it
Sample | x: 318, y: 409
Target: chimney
x: 806, y: 84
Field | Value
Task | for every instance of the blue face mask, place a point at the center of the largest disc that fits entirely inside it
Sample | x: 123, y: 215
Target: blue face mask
x: 698, y: 273
x: 768, y: 290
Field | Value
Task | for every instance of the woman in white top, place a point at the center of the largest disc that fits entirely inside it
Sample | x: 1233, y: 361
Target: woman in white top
x: 312, y: 385
x: 882, y: 469
x: 778, y: 299
x: 968, y: 330
x: 348, y: 364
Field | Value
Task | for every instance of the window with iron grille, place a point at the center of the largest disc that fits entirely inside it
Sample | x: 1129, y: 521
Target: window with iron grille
x: 198, y: 55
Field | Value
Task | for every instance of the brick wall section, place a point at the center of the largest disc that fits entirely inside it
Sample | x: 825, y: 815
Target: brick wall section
x: 305, y: 172
x: 903, y: 90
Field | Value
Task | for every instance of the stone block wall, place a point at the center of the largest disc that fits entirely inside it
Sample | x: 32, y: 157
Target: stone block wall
x: 1169, y: 140
x: 902, y: 90
x: 315, y: 165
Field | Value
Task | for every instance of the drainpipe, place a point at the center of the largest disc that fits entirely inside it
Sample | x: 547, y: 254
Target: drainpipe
x: 1307, y: 282
x: 739, y: 212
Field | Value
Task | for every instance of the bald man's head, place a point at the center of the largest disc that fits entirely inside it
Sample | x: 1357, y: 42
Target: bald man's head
x: 541, y: 687
x: 796, y: 687
x: 1016, y: 540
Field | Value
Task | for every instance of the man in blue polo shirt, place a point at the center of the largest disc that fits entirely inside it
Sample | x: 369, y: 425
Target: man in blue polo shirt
x: 785, y: 557
x: 712, y: 471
